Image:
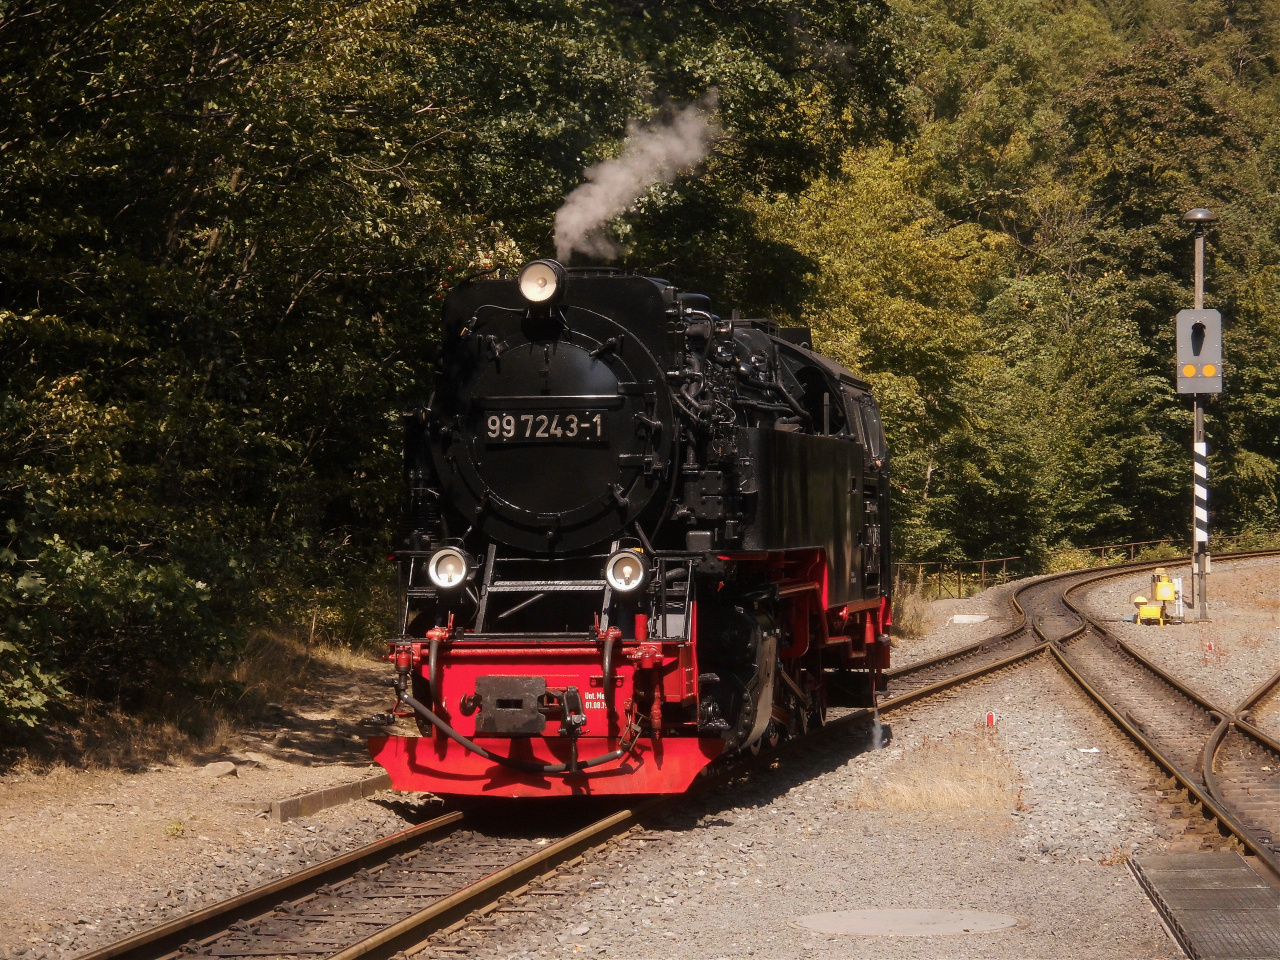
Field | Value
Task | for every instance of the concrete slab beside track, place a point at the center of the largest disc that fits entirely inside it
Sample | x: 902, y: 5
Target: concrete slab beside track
x: 310, y: 803
x: 1215, y: 906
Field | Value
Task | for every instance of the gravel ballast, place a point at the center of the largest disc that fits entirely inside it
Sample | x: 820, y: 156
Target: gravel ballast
x: 727, y: 879
x: 90, y: 857
x: 1223, y: 660
x: 942, y: 634
x: 146, y: 860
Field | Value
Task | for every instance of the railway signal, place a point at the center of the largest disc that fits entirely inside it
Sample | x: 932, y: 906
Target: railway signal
x: 1200, y: 374
x: 1199, y: 351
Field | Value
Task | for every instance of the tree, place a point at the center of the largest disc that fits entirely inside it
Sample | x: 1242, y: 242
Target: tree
x: 223, y: 228
x: 895, y: 293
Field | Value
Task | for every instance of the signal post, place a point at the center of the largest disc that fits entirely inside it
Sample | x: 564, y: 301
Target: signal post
x: 1200, y: 374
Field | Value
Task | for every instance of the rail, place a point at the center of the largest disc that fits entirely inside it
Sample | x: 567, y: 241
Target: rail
x: 1243, y: 797
x: 448, y: 907
x: 1250, y: 808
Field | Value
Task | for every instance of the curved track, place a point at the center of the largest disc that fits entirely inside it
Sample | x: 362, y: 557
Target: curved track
x: 391, y: 895
x: 1244, y: 768
x: 1041, y: 617
x: 1228, y: 760
x: 1219, y: 755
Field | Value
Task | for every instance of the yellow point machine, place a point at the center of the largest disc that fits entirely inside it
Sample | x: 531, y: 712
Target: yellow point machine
x: 1164, y: 591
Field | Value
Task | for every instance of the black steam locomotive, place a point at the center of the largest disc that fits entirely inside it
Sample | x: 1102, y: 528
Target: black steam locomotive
x: 640, y: 536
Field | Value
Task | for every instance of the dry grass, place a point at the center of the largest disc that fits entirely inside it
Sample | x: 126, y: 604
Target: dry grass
x: 344, y: 657
x: 910, y: 613
x: 116, y: 740
x: 1115, y: 857
x: 967, y: 770
x: 273, y: 669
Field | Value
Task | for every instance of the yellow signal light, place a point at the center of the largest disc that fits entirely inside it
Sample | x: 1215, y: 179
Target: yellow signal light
x: 1189, y: 370
x: 1210, y: 370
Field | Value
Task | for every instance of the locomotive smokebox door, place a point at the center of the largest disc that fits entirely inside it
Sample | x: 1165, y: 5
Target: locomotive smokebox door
x: 509, y: 705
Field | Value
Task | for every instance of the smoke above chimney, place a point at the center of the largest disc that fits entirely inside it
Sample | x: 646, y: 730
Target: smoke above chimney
x: 652, y: 153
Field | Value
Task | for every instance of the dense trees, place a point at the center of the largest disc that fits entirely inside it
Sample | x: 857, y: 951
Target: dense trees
x: 225, y: 228
x: 1052, y: 151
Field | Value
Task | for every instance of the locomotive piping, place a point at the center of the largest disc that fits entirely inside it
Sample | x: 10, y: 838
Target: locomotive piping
x: 777, y: 387
x: 644, y: 540
x: 543, y: 768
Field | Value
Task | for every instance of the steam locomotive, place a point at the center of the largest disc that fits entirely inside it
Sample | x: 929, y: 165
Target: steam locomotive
x: 640, y: 537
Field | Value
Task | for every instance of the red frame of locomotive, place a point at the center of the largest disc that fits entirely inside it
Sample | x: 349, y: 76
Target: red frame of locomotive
x: 666, y: 757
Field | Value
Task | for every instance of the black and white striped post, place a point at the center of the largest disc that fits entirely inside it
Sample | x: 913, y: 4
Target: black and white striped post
x: 1200, y: 522
x: 1200, y: 373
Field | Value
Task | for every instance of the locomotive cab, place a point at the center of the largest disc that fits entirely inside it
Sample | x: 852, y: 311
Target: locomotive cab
x: 640, y: 537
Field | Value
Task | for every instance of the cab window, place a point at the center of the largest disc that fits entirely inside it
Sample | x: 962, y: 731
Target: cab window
x: 817, y: 387
x: 870, y: 417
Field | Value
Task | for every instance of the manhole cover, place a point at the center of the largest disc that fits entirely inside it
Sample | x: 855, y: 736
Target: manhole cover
x: 905, y: 923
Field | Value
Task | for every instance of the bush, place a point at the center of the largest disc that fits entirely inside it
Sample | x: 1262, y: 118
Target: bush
x: 25, y: 688
x: 107, y: 626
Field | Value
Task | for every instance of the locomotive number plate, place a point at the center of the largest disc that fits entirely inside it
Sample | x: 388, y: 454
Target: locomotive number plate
x: 578, y: 426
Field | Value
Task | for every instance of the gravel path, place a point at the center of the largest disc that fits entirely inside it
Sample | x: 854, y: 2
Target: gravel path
x: 160, y: 853
x: 726, y: 879
x: 1223, y: 660
x: 90, y: 856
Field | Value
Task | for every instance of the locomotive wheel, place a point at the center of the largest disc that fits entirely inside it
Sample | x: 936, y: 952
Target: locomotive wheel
x: 769, y: 739
x: 814, y: 718
x: 819, y: 719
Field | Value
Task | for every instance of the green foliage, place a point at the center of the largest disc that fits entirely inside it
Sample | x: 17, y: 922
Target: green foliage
x: 225, y: 228
x: 224, y: 231
x: 797, y: 85
x: 894, y: 290
x: 1008, y: 279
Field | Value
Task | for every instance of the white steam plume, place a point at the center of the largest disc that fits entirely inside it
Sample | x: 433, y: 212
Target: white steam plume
x: 650, y: 154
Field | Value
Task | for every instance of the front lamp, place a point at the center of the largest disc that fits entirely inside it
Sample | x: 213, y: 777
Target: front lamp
x: 449, y: 568
x: 542, y: 282
x: 626, y: 571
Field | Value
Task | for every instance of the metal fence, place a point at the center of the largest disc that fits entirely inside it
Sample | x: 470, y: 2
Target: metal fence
x: 938, y: 580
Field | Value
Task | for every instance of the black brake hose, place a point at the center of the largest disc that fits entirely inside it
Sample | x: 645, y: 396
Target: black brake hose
x: 544, y: 768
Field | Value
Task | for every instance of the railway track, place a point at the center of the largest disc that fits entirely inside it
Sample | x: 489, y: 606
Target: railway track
x: 1221, y: 756
x: 1040, y: 618
x: 390, y: 896
x: 1227, y: 759
x: 1243, y: 770
x: 374, y: 902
